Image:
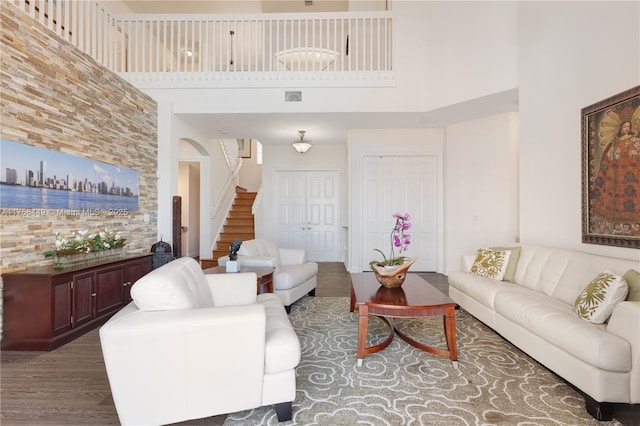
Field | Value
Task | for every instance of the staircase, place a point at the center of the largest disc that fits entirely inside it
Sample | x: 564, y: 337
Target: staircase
x: 239, y: 223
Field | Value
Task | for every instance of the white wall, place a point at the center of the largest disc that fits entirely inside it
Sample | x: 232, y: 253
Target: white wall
x: 365, y: 5
x: 167, y: 170
x: 469, y: 49
x: 387, y: 141
x: 251, y: 172
x: 571, y: 55
x: 214, y: 173
x: 480, y: 185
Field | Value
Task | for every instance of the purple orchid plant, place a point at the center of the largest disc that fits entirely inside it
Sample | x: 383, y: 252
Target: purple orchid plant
x: 399, y: 238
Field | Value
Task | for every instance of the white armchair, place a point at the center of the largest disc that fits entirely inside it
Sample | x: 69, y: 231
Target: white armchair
x: 192, y: 345
x: 293, y: 277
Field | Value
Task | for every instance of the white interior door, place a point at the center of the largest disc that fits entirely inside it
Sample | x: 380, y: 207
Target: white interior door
x: 307, y: 206
x: 406, y: 185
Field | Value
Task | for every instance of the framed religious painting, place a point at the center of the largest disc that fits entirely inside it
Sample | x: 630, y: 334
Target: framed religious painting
x: 611, y: 171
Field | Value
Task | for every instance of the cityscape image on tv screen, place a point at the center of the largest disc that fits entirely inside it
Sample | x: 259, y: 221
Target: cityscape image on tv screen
x: 39, y: 178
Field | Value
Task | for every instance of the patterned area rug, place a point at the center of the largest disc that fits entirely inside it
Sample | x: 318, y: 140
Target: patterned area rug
x: 496, y: 383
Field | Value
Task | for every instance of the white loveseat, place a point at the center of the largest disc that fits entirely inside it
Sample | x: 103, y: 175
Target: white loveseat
x: 192, y: 345
x: 535, y: 313
x: 294, y: 276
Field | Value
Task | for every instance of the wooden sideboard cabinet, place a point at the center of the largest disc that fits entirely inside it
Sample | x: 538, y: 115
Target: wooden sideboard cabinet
x: 45, y: 307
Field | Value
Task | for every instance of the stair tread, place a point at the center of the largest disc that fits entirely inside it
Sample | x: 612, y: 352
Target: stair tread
x: 239, y: 223
x: 236, y: 236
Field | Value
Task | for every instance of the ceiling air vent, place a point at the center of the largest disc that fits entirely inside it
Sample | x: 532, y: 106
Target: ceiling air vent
x: 293, y: 96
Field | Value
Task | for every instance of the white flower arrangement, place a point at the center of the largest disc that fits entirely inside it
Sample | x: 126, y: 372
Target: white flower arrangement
x: 84, y: 242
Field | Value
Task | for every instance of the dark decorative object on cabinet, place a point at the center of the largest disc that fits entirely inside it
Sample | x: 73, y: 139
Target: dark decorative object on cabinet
x: 162, y: 253
x: 45, y: 307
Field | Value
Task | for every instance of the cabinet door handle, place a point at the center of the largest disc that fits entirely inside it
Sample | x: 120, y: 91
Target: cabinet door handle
x: 126, y: 284
x: 93, y: 294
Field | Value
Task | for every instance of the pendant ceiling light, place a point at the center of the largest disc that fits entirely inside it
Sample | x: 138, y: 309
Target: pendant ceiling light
x: 301, y: 145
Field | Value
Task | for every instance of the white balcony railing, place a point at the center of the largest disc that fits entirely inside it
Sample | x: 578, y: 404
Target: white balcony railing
x: 318, y: 46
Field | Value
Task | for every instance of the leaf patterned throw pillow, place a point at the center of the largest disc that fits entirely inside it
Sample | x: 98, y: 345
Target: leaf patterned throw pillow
x: 491, y: 263
x: 632, y: 277
x: 596, y: 302
x: 510, y: 273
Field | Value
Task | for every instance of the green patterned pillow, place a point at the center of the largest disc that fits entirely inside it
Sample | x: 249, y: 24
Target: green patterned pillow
x: 491, y: 263
x: 596, y: 302
x: 510, y: 273
x: 632, y: 277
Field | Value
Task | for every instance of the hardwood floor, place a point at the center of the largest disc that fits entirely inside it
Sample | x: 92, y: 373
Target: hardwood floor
x: 333, y: 280
x: 69, y: 386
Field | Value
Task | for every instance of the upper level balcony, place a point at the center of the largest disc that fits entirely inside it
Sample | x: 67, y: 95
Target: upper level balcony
x: 342, y: 49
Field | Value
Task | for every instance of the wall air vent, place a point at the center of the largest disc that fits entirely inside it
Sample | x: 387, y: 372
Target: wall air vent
x: 293, y: 96
x: 308, y: 2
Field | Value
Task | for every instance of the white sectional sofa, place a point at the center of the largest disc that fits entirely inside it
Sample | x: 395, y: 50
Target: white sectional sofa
x: 535, y: 313
x: 192, y: 345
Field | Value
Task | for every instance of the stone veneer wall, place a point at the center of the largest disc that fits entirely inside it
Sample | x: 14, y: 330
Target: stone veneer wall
x: 56, y: 97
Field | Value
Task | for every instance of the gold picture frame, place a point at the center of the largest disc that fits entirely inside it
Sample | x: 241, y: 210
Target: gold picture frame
x: 244, y: 148
x: 611, y: 171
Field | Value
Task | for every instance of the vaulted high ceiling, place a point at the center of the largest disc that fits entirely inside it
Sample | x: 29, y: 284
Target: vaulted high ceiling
x: 322, y: 128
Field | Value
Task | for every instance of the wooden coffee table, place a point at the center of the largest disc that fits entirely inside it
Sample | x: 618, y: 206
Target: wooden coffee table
x: 416, y: 298
x: 265, y: 276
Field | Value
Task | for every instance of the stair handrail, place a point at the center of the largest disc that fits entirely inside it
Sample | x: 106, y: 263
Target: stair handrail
x: 226, y: 198
x: 231, y: 182
x: 256, y: 211
x: 227, y: 157
x: 257, y: 201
